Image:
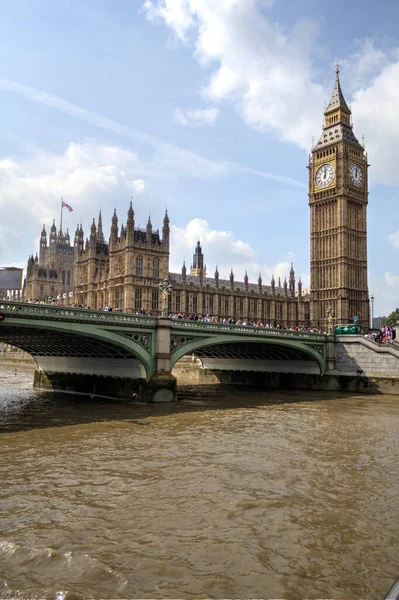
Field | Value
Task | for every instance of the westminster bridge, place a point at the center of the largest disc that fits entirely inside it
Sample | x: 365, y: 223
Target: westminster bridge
x: 122, y: 354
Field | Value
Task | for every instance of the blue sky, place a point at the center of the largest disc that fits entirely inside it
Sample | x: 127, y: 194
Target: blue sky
x: 207, y: 107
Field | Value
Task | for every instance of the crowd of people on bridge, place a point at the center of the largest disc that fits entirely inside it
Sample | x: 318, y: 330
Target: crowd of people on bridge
x: 386, y: 335
x: 245, y: 322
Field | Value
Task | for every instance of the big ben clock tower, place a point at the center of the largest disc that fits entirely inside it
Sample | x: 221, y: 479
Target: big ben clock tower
x: 338, y: 192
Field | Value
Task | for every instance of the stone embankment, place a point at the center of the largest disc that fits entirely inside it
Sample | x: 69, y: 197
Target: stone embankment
x: 13, y: 357
x: 375, y: 367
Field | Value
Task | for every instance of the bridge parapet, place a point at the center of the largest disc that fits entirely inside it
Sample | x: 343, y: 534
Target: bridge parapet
x: 66, y: 313
x: 208, y: 327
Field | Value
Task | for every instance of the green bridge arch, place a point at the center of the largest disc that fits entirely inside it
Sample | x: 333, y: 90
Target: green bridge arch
x: 317, y: 355
x: 62, y: 332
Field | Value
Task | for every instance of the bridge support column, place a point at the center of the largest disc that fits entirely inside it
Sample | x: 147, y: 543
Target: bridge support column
x: 163, y: 385
x: 330, y: 353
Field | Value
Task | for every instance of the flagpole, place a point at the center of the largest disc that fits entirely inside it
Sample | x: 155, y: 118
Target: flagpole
x: 61, y: 215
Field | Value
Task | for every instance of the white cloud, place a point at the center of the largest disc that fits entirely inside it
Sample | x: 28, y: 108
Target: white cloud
x: 391, y: 280
x: 174, y: 12
x: 375, y: 116
x: 86, y: 175
x: 264, y: 71
x: 267, y: 73
x: 168, y: 159
x: 194, y: 117
x: 361, y: 67
x: 223, y: 249
x: 394, y: 239
x: 83, y: 171
x: 139, y: 186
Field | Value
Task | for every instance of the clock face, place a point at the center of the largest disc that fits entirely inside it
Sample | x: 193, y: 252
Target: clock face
x: 324, y: 175
x: 356, y: 174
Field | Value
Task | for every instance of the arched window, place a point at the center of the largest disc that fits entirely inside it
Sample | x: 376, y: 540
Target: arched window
x: 41, y: 289
x: 177, y: 301
x: 139, y: 266
x: 137, y: 299
x: 68, y: 278
x: 155, y: 268
x: 63, y: 277
x: 155, y: 301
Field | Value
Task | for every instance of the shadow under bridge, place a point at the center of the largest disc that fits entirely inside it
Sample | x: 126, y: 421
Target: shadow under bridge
x: 61, y: 346
x: 241, y: 353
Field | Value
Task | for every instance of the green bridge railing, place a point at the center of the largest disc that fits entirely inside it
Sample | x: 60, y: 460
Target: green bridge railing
x: 66, y: 313
x: 38, y: 311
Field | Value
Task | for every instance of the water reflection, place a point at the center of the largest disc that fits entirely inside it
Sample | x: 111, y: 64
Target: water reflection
x: 250, y: 495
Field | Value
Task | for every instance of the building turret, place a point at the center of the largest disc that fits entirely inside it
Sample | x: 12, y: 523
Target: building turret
x: 114, y: 228
x: 31, y: 262
x: 53, y: 233
x: 93, y: 231
x: 165, y: 230
x: 76, y: 238
x: 100, y: 234
x: 36, y: 259
x: 273, y: 285
x: 149, y: 230
x: 43, y: 246
x: 130, y: 222
x: 292, y: 282
x: 231, y: 277
x: 184, y: 272
x: 67, y: 238
x: 260, y: 283
x: 285, y: 286
x: 246, y: 281
x: 81, y: 237
x: 198, y: 269
x: 43, y: 237
x: 216, y: 277
x: 299, y: 288
x: 279, y: 283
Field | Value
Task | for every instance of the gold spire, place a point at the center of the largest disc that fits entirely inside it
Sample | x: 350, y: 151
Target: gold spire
x: 337, y: 100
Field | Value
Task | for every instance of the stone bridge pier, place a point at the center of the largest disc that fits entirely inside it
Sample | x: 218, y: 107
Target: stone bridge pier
x: 162, y: 386
x: 125, y: 378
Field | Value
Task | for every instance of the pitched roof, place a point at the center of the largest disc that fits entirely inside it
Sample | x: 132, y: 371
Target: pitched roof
x: 337, y: 98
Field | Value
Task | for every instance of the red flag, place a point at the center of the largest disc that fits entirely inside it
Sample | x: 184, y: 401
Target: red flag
x: 64, y: 204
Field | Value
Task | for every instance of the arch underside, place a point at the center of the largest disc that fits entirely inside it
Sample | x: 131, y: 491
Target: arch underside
x: 266, y: 357
x: 62, y: 351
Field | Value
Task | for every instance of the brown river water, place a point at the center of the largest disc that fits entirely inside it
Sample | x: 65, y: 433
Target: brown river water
x: 223, y: 495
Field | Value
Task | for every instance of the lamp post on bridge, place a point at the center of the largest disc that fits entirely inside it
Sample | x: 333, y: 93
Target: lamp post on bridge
x: 165, y: 288
x: 330, y: 319
x: 372, y: 311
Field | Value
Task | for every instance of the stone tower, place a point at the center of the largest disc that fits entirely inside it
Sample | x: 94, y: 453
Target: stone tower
x: 198, y: 269
x: 338, y: 196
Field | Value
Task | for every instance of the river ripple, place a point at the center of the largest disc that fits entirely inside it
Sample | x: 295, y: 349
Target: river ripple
x: 220, y: 496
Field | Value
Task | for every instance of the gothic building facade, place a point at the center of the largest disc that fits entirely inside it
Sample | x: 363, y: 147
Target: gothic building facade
x: 50, y: 274
x: 125, y: 272
x: 338, y: 197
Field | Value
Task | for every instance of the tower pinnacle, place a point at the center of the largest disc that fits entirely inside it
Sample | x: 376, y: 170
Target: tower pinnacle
x: 337, y: 99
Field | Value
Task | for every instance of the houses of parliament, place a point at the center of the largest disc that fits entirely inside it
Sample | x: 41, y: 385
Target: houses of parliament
x: 124, y: 270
